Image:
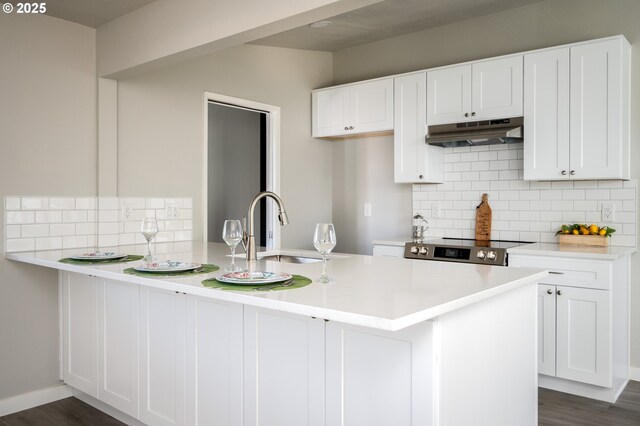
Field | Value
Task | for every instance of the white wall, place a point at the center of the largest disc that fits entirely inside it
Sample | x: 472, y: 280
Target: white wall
x: 160, y: 129
x: 363, y: 172
x: 48, y: 142
x: 535, y: 26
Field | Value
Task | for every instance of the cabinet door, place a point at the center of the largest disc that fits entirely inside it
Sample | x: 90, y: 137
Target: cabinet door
x: 331, y: 112
x: 449, y: 95
x: 214, y: 362
x: 497, y: 88
x: 414, y: 160
x: 547, y: 329
x: 546, y: 115
x: 283, y: 369
x: 162, y: 357
x: 583, y: 335
x: 597, y: 136
x: 118, y: 345
x: 80, y: 332
x: 371, y: 106
x: 379, y: 378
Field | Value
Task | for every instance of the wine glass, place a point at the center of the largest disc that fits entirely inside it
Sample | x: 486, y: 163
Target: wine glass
x: 232, y: 235
x: 149, y: 229
x: 324, y: 240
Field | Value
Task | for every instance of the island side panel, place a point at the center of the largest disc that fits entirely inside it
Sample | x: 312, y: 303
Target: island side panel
x: 379, y: 378
x: 487, y: 362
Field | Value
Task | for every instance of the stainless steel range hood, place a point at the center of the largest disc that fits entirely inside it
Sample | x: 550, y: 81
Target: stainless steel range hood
x: 476, y: 133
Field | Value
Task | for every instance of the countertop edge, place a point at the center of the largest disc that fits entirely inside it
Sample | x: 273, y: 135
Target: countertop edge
x: 556, y: 250
x: 294, y: 308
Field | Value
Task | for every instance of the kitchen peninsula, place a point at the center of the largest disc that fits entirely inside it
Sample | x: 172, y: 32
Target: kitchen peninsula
x: 390, y: 341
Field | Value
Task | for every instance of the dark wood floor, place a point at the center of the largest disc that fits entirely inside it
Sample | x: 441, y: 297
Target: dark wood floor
x: 65, y: 412
x: 555, y: 409
x: 561, y: 409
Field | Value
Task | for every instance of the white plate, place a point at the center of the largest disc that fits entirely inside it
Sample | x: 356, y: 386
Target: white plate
x: 99, y: 255
x: 168, y: 267
x: 253, y: 278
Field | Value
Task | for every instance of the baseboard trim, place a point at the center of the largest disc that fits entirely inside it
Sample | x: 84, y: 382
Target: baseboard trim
x: 634, y: 374
x: 105, y: 408
x: 34, y: 399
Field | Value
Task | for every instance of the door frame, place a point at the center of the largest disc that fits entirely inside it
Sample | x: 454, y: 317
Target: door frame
x: 273, y: 159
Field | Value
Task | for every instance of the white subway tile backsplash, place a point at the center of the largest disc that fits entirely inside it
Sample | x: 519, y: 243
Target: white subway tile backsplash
x: 108, y: 228
x: 34, y: 203
x: 108, y: 203
x: 86, y: 203
x: 154, y: 203
x: 62, y: 230
x: 74, y: 242
x: 49, y: 243
x: 34, y: 231
x: 19, y: 217
x: 48, y: 216
x: 524, y: 210
x: 12, y: 231
x: 12, y: 203
x: 20, y: 244
x: 62, y: 203
x: 108, y: 215
x: 74, y: 216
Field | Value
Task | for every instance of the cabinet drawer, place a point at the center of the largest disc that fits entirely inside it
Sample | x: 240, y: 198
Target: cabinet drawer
x: 571, y: 273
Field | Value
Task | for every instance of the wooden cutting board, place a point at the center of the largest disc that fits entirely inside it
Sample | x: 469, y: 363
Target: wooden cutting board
x: 483, y: 219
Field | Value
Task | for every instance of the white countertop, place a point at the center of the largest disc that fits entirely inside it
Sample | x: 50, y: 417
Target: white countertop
x: 379, y: 292
x: 582, y: 252
x: 392, y: 242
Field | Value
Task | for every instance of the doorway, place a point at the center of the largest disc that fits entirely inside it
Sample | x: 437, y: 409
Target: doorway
x: 241, y: 160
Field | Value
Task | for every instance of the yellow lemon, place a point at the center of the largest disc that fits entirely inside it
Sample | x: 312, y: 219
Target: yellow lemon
x: 603, y: 231
x: 594, y: 229
x: 575, y: 232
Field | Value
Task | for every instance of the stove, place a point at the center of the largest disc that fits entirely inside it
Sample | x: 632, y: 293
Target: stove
x: 492, y: 252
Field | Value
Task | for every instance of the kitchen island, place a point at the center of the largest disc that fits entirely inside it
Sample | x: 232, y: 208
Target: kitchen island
x: 390, y: 341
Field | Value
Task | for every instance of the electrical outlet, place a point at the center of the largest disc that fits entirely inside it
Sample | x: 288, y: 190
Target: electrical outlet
x: 172, y: 211
x: 367, y: 209
x: 608, y: 212
x: 436, y: 211
x: 127, y: 213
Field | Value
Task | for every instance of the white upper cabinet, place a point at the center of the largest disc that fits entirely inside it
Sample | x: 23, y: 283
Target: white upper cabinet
x: 353, y: 109
x: 577, y: 112
x: 414, y: 160
x: 481, y: 90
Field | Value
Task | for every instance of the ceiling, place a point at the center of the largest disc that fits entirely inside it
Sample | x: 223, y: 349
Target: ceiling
x: 388, y: 18
x: 92, y: 13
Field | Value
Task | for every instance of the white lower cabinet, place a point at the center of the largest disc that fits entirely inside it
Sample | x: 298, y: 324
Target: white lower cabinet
x: 284, y: 356
x: 118, y: 304
x: 214, y: 362
x: 80, y: 332
x: 379, y: 378
x: 162, y: 357
x: 583, y: 324
x: 388, y: 251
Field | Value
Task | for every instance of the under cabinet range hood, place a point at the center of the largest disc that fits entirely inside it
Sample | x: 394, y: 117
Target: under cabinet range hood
x: 476, y: 133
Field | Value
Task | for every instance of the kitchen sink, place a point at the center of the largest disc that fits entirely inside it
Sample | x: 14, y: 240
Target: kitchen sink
x: 290, y: 259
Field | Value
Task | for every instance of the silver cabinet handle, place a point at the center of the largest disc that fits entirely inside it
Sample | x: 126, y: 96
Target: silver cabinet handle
x: 473, y: 114
x: 346, y: 128
x: 559, y: 293
x: 573, y: 172
x: 549, y: 291
x: 563, y: 173
x: 556, y: 273
x: 350, y: 127
x: 421, y: 177
x: 466, y: 114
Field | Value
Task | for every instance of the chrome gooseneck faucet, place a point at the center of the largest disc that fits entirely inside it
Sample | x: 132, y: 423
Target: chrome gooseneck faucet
x: 250, y: 240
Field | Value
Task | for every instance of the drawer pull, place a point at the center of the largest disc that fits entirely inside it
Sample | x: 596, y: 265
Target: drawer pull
x: 559, y: 293
x: 549, y: 291
x: 556, y: 273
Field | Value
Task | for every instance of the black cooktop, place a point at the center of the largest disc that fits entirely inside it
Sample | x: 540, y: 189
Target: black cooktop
x: 464, y: 242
